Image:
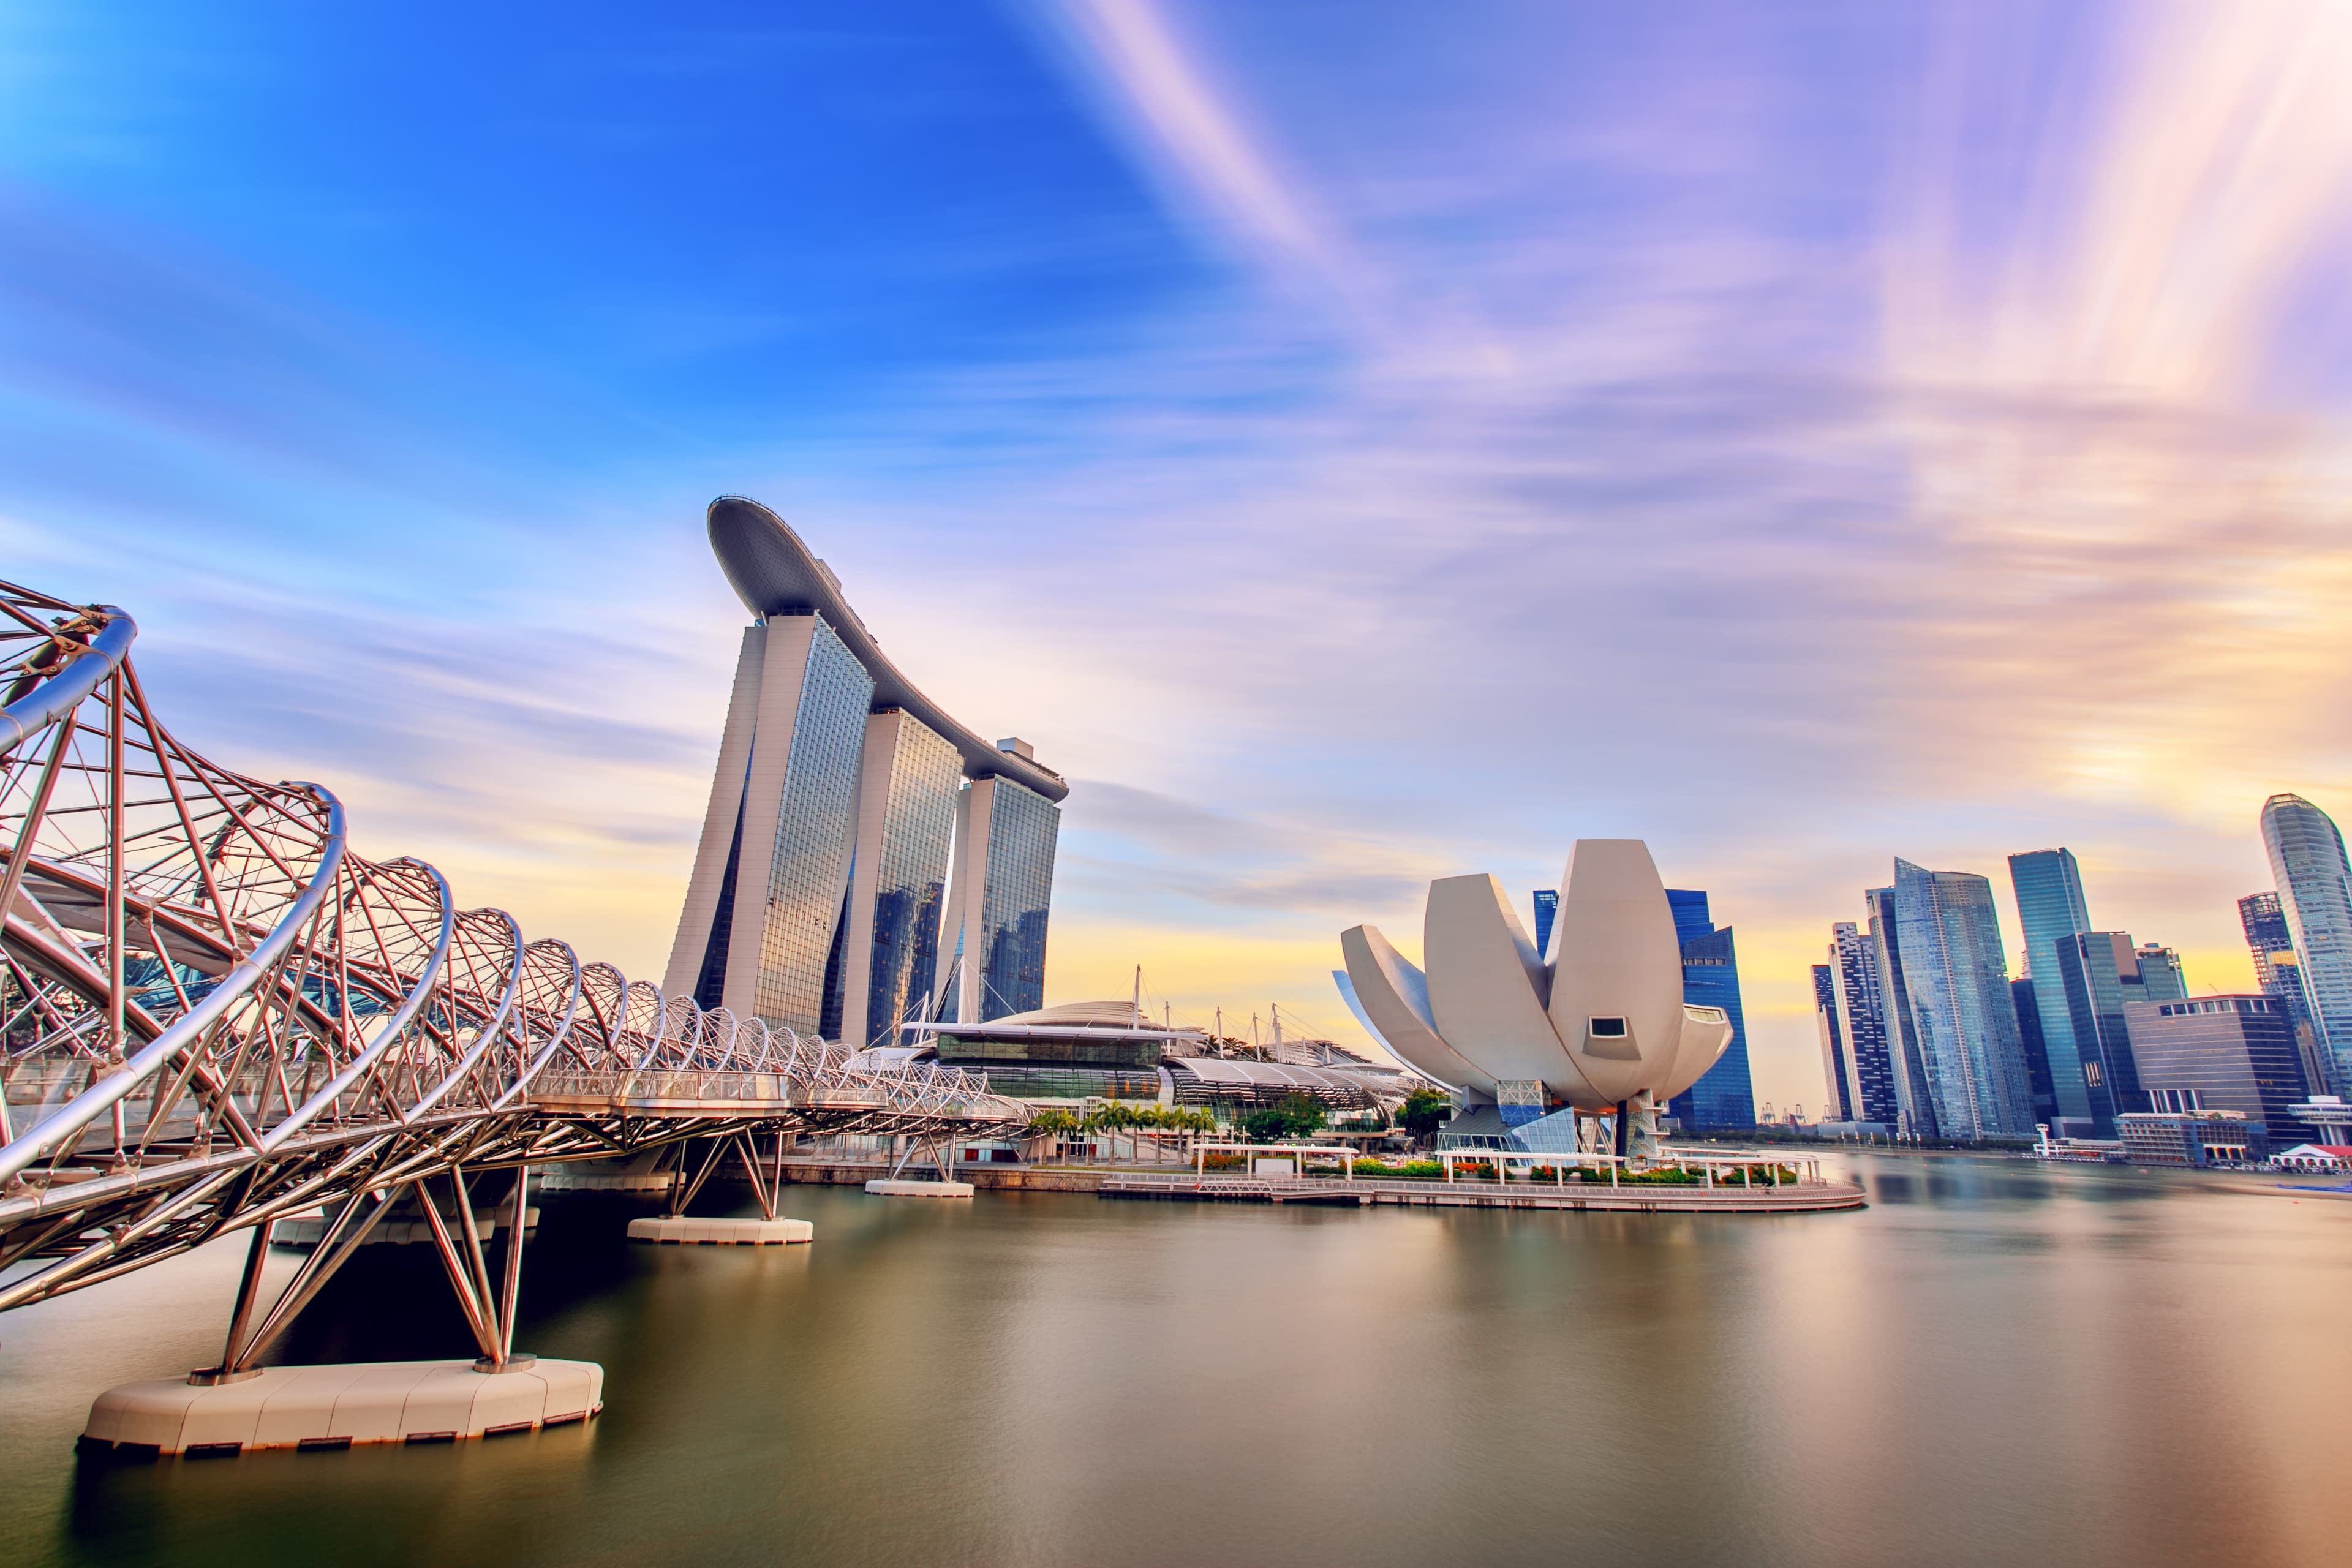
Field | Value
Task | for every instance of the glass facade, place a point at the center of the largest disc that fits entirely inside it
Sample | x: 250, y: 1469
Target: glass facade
x: 1724, y: 1097
x: 2280, y: 976
x: 1024, y: 828
x: 2315, y: 893
x: 810, y: 872
x: 1861, y: 1022
x: 911, y: 878
x: 1547, y: 911
x: 2050, y: 908
x: 2233, y: 1052
x: 2097, y: 974
x: 1836, y: 1106
x: 1914, y: 1108
x: 2037, y: 1059
x: 1957, y: 977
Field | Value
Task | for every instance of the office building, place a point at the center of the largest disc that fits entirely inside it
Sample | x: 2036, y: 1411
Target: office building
x: 1915, y: 1106
x: 2279, y: 975
x: 1725, y: 1097
x: 2100, y: 975
x: 2161, y: 978
x: 1547, y: 910
x: 848, y: 813
x: 2037, y: 1062
x: 2229, y: 1053
x: 1957, y: 977
x: 1861, y: 1024
x: 1837, y: 1104
x: 2315, y: 893
x: 2050, y: 908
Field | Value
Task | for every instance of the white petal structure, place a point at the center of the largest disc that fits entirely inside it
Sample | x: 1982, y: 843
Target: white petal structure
x: 1601, y: 1024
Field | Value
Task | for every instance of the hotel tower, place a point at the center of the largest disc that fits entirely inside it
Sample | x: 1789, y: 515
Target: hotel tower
x: 866, y: 859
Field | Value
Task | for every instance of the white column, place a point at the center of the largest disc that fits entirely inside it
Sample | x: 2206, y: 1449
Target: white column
x: 693, y: 940
x: 974, y: 807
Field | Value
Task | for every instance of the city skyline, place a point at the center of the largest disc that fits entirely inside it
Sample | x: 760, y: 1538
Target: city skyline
x: 1283, y: 379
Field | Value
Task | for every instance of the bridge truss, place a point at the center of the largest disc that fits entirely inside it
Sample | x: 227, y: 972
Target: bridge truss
x: 214, y: 1012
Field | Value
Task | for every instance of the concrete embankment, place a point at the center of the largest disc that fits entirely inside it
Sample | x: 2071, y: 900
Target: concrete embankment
x: 1179, y: 1185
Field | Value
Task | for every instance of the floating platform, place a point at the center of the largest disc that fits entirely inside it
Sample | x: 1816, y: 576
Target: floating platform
x: 1632, y: 1197
x: 722, y: 1232
x: 322, y: 1407
x: 888, y: 1188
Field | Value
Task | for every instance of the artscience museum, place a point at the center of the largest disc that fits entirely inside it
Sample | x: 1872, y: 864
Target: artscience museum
x: 1544, y: 1043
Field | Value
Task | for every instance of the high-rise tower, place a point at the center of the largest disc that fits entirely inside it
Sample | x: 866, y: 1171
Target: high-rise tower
x: 2050, y: 908
x: 1861, y: 1023
x: 2279, y: 975
x: 1725, y: 1095
x: 2315, y: 893
x: 1958, y: 978
x: 841, y: 801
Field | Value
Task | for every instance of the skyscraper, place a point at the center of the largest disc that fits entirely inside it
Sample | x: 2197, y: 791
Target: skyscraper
x: 1861, y: 1023
x: 1837, y: 1103
x: 2098, y: 974
x: 1915, y: 1107
x: 2037, y: 1059
x: 2161, y: 978
x: 834, y: 815
x: 2279, y: 975
x: 1957, y: 977
x: 995, y: 927
x: 2050, y: 908
x: 1547, y: 911
x: 1724, y: 1097
x: 2314, y: 892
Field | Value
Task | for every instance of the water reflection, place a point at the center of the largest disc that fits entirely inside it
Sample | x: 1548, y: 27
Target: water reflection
x: 1996, y: 1362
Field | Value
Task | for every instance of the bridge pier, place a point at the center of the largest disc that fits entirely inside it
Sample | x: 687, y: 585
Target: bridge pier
x: 769, y: 1230
x: 226, y: 1409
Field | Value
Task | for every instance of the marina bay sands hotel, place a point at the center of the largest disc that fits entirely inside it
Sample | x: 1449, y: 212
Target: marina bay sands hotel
x: 866, y: 859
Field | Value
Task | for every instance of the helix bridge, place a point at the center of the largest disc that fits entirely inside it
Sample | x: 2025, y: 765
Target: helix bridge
x: 215, y: 1014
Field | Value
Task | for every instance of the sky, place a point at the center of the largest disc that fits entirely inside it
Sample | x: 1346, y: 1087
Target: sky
x: 1355, y: 443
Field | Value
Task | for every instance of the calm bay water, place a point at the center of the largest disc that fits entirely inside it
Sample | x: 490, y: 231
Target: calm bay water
x: 1995, y: 1363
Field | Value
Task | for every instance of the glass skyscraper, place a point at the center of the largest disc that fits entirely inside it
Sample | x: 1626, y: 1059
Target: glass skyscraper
x: 1725, y: 1095
x: 906, y: 834
x: 1958, y: 978
x: 830, y: 843
x: 2315, y: 893
x: 1547, y: 908
x: 1915, y: 1107
x: 1024, y: 829
x: 1837, y: 1106
x: 2050, y: 908
x: 1861, y: 1023
x: 2279, y: 975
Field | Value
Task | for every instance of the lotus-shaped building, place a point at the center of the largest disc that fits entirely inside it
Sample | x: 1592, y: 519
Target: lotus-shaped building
x: 1596, y: 1024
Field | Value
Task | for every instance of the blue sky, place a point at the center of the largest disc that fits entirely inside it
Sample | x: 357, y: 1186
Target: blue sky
x: 1357, y: 443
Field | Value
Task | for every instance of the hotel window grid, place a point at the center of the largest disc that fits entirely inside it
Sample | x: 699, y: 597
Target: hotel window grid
x: 1023, y: 830
x: 909, y: 884
x: 813, y: 834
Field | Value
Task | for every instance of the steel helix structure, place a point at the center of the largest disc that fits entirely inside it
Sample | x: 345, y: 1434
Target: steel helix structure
x: 214, y: 1012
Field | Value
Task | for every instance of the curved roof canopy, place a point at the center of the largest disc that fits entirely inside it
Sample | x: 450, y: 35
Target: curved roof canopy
x: 774, y: 575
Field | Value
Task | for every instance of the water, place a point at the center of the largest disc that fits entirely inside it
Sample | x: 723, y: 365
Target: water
x: 1996, y: 1363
